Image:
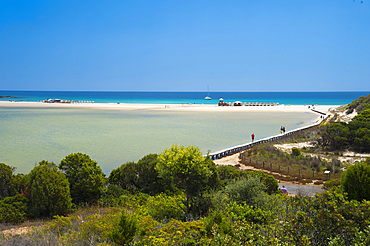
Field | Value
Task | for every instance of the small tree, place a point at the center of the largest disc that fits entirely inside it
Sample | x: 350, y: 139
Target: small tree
x: 124, y: 232
x: 187, y: 169
x: 49, y: 188
x: 6, y: 181
x: 85, y: 177
x: 356, y: 181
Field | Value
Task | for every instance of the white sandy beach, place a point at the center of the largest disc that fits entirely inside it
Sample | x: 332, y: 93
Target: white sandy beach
x: 172, y: 107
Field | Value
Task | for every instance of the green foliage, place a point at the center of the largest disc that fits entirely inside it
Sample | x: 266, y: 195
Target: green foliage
x: 163, y: 207
x: 356, y: 181
x: 360, y: 104
x: 85, y: 177
x: 20, y: 182
x: 82, y: 229
x: 13, y: 209
x: 296, y: 152
x: 250, y: 191
x: 245, y: 213
x: 218, y: 219
x: 187, y: 169
x: 139, y: 177
x: 227, y: 172
x: 325, y: 217
x: 355, y: 134
x: 335, y: 135
x: 175, y: 233
x: 201, y: 205
x: 272, y: 185
x: 334, y: 183
x: 112, y: 196
x: 50, y: 193
x: 124, y: 232
x: 6, y: 181
x: 124, y: 176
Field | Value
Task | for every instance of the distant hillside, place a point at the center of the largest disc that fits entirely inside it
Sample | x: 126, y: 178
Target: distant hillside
x: 359, y: 104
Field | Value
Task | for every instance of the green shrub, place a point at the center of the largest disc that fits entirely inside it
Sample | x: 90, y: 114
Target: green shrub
x: 124, y: 232
x: 175, y: 233
x: 50, y: 193
x: 227, y: 172
x: 331, y: 184
x: 244, y: 213
x: 112, y: 196
x: 296, y: 152
x: 85, y: 177
x: 246, y: 190
x: 6, y: 181
x: 218, y: 219
x: 356, y: 181
x: 139, y: 177
x: 272, y: 186
x: 163, y: 207
x: 13, y: 209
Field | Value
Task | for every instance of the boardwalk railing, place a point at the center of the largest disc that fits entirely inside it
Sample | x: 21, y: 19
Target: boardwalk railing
x: 225, y: 152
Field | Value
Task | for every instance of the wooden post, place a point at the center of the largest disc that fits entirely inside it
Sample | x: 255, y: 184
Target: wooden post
x: 288, y: 170
x: 250, y: 160
x: 299, y: 173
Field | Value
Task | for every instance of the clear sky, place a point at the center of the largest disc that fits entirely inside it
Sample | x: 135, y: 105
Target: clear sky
x: 135, y: 45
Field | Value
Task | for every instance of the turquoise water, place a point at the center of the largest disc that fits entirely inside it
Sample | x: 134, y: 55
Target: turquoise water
x: 293, y: 98
x: 114, y: 137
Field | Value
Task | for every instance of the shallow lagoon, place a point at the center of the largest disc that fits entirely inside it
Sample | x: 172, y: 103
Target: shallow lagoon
x: 114, y: 137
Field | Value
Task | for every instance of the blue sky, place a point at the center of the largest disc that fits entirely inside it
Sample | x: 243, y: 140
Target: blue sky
x: 311, y: 45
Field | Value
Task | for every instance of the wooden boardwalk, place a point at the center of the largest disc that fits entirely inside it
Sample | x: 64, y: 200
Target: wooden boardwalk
x: 239, y: 148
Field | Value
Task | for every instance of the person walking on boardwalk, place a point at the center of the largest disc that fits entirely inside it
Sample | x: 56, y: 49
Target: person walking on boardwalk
x: 252, y: 137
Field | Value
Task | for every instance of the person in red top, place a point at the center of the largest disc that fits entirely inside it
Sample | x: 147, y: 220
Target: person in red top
x: 252, y: 137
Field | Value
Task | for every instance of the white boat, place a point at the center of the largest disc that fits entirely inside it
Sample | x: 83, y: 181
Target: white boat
x: 207, y: 97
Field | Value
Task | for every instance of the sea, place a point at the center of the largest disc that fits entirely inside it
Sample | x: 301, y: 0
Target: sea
x: 114, y: 137
x: 292, y: 98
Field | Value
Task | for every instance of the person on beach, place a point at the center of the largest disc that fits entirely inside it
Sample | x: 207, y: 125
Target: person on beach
x: 252, y: 137
x: 281, y: 129
x: 285, y: 191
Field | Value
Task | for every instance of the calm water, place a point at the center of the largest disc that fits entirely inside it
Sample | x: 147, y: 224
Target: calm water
x: 113, y: 137
x: 293, y: 98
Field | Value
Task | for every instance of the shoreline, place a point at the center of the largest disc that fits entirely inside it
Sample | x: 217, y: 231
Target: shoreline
x: 170, y: 107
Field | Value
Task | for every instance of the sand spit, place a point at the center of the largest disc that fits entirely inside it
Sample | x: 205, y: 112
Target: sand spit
x: 170, y: 107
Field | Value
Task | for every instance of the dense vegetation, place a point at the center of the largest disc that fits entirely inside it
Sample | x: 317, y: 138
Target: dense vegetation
x: 353, y: 135
x: 359, y: 104
x: 154, y: 202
